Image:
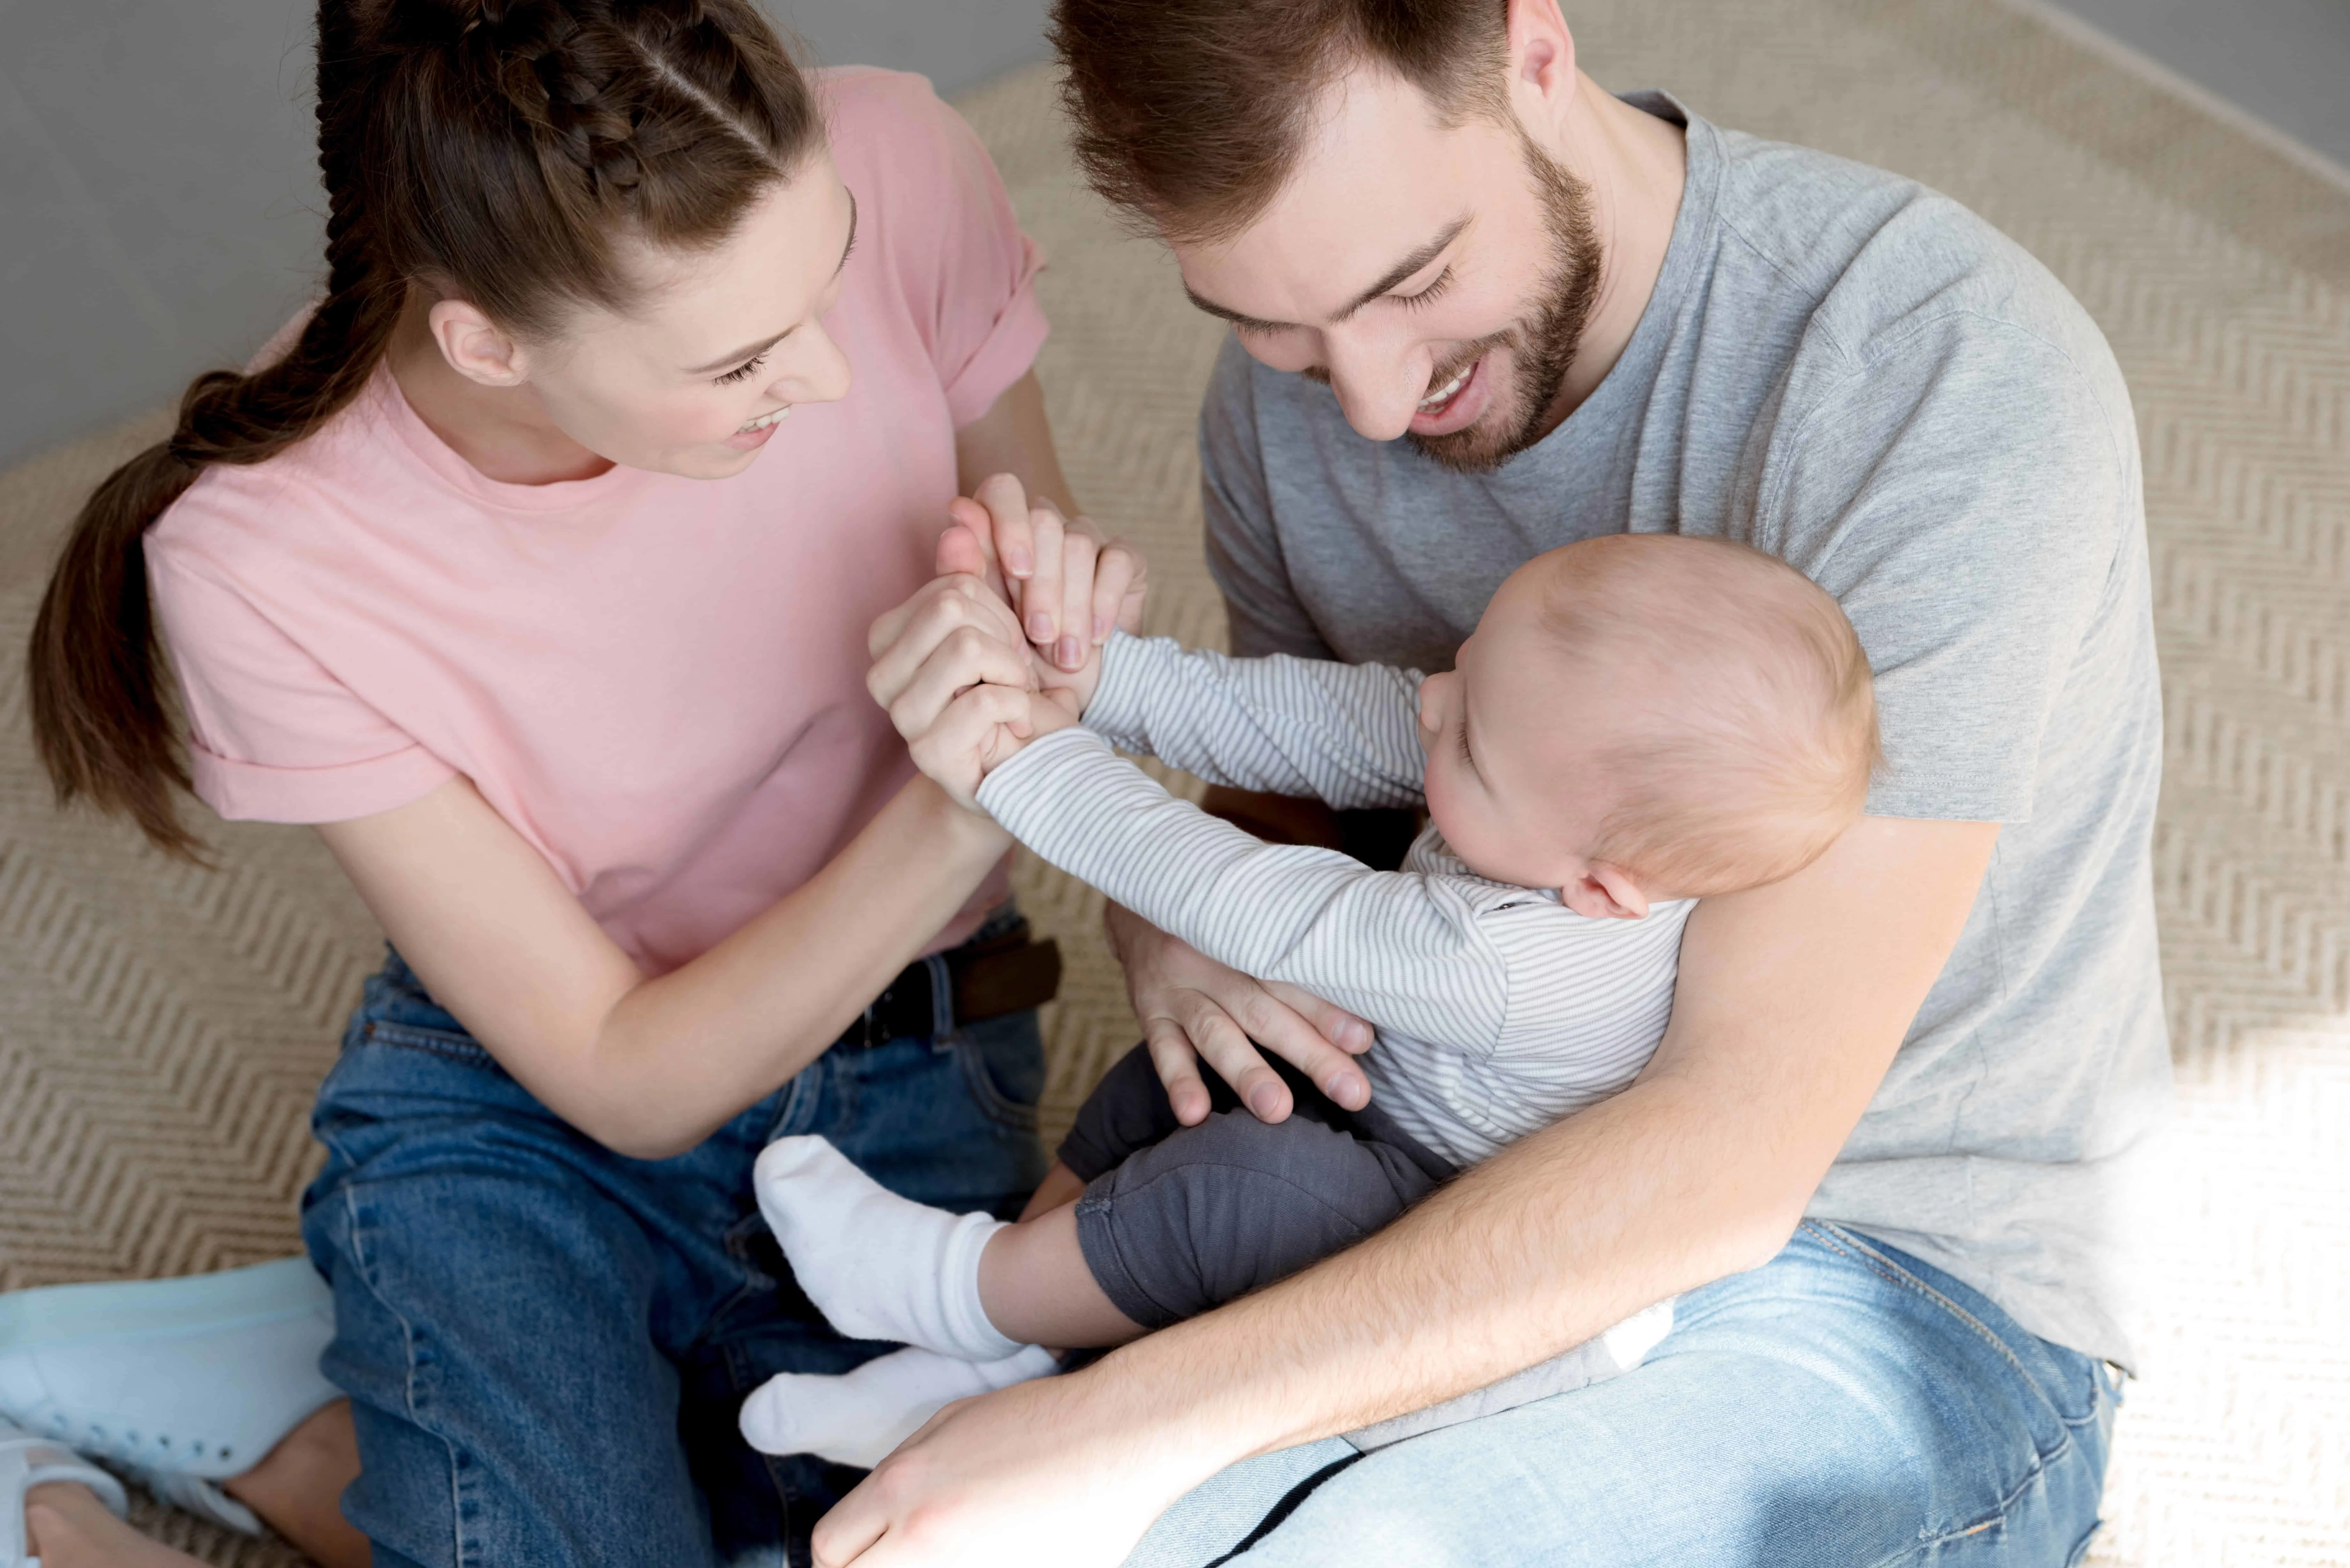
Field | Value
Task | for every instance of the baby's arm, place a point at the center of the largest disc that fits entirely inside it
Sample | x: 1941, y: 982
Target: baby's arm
x: 1403, y: 951
x: 1347, y: 733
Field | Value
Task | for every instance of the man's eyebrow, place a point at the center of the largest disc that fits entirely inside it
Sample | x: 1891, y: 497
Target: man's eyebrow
x: 761, y: 346
x: 1245, y: 323
x: 1395, y: 274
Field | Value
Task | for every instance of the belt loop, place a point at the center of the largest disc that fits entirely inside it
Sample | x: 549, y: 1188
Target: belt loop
x: 943, y: 1012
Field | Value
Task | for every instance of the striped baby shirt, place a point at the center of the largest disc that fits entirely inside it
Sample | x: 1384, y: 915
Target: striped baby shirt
x: 1497, y: 1009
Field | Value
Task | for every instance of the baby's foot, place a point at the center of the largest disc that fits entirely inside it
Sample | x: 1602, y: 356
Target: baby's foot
x: 858, y: 1418
x: 876, y: 1265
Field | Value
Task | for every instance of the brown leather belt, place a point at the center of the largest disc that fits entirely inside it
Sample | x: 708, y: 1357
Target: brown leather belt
x: 1006, y: 973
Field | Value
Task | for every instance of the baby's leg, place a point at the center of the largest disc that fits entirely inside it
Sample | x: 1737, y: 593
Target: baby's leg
x: 1035, y: 1286
x: 1233, y: 1204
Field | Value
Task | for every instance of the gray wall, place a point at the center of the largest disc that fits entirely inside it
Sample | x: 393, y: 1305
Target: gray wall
x: 2285, y: 61
x: 159, y: 209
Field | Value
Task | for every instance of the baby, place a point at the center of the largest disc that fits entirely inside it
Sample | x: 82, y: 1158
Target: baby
x: 1639, y: 722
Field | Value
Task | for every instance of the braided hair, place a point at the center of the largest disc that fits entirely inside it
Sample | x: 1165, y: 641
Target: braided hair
x: 500, y: 151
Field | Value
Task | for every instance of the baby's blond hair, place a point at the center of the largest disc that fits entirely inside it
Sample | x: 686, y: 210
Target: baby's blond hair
x: 1757, y: 746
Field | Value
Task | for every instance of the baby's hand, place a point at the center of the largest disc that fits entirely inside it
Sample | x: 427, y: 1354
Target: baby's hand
x: 1070, y: 586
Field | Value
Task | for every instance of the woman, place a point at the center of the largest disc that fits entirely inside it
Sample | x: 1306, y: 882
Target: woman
x: 487, y: 575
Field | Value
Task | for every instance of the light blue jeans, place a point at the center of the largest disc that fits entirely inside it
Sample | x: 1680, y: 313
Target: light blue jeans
x: 1845, y: 1405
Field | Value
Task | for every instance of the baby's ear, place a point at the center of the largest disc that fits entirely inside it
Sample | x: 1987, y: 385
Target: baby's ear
x: 1604, y: 892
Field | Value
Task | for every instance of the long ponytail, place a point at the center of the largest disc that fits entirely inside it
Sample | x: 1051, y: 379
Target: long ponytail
x: 489, y: 149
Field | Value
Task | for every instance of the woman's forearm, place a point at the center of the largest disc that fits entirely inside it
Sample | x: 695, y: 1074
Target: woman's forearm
x: 650, y: 1067
x: 678, y: 1056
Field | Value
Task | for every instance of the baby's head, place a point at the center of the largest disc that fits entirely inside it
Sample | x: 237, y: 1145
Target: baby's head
x: 1650, y: 716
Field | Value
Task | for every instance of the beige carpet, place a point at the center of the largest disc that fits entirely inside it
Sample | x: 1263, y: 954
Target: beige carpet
x: 162, y: 1029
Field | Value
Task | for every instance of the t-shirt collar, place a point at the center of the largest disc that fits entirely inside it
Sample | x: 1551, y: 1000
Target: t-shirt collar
x: 562, y: 495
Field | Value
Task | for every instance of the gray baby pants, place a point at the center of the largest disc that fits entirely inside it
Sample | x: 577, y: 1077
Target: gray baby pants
x: 1178, y: 1220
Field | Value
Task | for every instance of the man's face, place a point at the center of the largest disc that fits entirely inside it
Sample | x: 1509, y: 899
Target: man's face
x: 1437, y: 277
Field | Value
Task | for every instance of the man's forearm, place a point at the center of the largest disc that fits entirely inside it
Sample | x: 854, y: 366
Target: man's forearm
x: 1552, y: 1241
x: 1792, y: 1002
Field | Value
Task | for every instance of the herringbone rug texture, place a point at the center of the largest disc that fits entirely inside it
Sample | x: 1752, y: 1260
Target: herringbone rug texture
x: 162, y: 1029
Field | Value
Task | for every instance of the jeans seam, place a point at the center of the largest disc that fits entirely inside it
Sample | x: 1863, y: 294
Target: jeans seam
x: 435, y: 1043
x: 1999, y: 1512
x: 464, y: 1554
x: 739, y: 1377
x: 1886, y: 1269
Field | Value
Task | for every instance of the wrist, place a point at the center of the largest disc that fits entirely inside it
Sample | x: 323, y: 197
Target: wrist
x: 966, y: 834
x: 1189, y: 1424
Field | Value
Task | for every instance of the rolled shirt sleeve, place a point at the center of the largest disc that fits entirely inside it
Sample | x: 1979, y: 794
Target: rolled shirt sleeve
x: 272, y: 735
x: 941, y: 219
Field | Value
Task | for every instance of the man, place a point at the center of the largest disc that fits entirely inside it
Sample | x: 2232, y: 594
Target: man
x: 1481, y: 309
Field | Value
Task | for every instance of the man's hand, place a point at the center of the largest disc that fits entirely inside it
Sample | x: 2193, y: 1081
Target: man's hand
x: 967, y: 1489
x: 1190, y: 1006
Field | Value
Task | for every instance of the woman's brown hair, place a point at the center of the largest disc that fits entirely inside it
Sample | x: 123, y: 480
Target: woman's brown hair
x: 492, y: 150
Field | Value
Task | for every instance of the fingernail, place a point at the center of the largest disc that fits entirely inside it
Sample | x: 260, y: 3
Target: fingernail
x: 1040, y: 627
x: 1069, y: 653
x: 1101, y: 628
x: 1265, y: 1101
x: 1018, y: 562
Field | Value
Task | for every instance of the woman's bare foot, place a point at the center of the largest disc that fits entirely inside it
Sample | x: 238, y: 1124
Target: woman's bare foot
x: 298, y: 1488
x: 71, y: 1529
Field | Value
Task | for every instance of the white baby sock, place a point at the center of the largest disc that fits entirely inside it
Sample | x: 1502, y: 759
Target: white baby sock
x: 876, y: 1265
x: 857, y: 1420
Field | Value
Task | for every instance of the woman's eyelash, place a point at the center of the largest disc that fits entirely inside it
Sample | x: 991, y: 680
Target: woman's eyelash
x: 742, y: 371
x: 1427, y: 296
x: 1465, y: 755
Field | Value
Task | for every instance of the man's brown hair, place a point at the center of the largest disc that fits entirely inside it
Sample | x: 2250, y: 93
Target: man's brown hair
x: 1190, y: 113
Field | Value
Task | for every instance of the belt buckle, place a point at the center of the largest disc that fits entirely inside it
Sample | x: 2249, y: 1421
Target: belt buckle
x: 861, y: 1033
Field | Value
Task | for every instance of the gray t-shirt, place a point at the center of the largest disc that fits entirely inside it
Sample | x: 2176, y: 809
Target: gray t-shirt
x: 1859, y: 375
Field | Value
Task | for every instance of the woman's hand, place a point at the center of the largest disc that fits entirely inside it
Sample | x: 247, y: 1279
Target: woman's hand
x: 1070, y: 585
x: 1190, y: 1006
x: 956, y: 678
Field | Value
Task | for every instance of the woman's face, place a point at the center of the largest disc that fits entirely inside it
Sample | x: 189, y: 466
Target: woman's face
x: 721, y: 344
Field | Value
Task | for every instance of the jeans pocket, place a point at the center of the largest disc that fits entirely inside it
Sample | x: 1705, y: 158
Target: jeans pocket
x: 2067, y: 1381
x: 1003, y: 1063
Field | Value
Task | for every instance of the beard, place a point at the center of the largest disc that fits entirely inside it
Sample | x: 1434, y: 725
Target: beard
x: 1542, y: 344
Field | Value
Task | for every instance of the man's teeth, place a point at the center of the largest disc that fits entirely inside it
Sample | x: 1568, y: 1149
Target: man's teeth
x: 763, y: 421
x: 1443, y: 394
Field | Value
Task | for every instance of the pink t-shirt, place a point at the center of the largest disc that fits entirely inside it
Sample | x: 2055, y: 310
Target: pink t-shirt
x: 659, y: 681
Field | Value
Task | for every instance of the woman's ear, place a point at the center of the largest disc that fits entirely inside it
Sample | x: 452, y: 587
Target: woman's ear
x: 475, y: 346
x: 1604, y: 892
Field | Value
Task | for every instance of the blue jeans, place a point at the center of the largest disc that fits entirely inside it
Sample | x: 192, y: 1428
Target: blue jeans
x: 1843, y: 1406
x: 545, y: 1343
